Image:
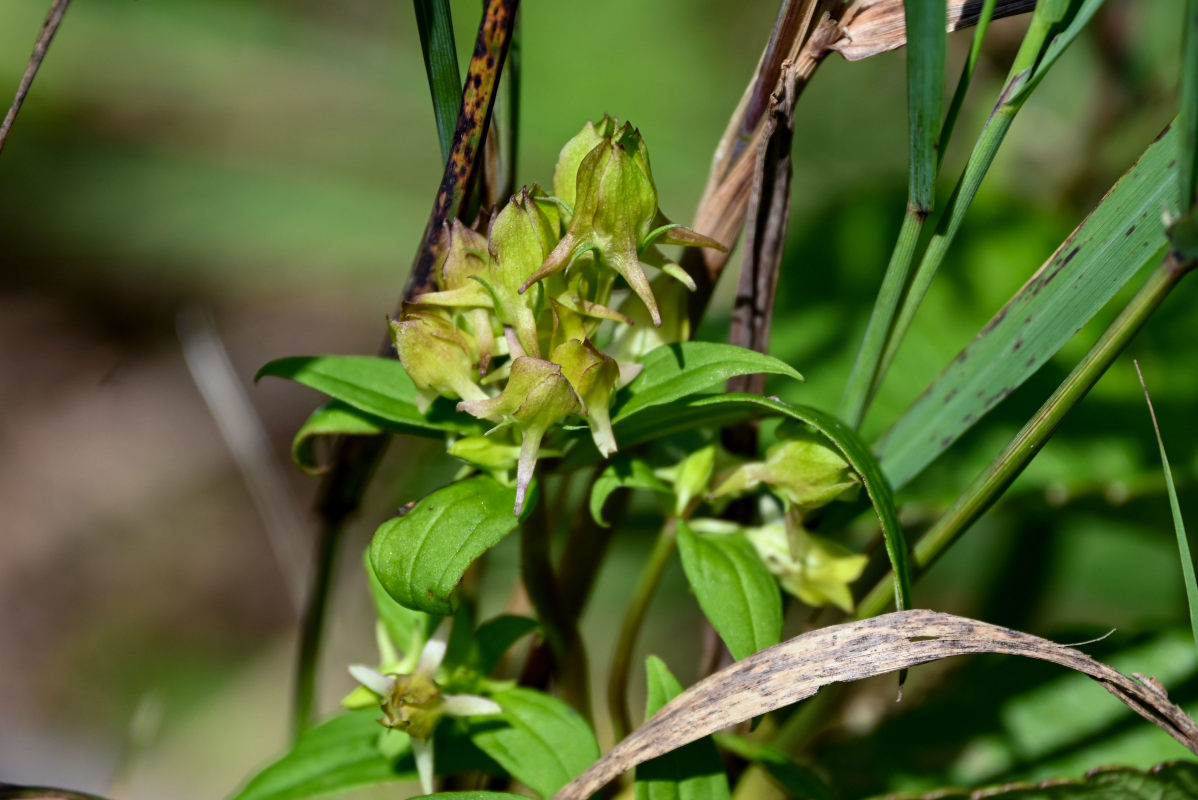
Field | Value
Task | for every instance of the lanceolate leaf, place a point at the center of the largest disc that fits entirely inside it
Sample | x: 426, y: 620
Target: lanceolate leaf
x: 677, y: 370
x: 795, y: 778
x: 495, y: 636
x: 623, y: 473
x: 434, y: 22
x: 736, y: 591
x: 333, y: 757
x: 692, y: 772
x: 540, y: 740
x: 420, y: 557
x: 1097, y: 259
x: 406, y: 628
x: 1174, y: 781
x: 378, y: 386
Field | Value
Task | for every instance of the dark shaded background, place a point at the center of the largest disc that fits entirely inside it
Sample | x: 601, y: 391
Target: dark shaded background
x: 273, y: 163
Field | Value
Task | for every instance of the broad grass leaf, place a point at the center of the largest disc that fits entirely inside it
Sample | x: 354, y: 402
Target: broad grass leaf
x: 539, y: 740
x: 734, y: 588
x: 676, y: 370
x: 1110, y: 246
x: 339, y: 754
x: 693, y: 772
x: 420, y: 557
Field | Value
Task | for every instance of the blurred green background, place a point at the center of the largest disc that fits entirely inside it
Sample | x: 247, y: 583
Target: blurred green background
x: 273, y: 163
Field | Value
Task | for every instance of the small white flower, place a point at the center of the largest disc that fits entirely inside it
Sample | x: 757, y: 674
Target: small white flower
x: 414, y: 703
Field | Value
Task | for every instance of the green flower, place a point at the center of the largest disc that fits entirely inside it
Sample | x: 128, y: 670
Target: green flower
x: 593, y: 376
x: 439, y: 357
x: 815, y: 570
x: 414, y: 703
x: 536, y: 397
x: 801, y: 469
x: 615, y: 213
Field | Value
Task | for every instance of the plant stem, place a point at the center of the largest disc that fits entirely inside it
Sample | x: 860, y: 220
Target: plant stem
x: 312, y: 627
x: 990, y: 485
x: 975, y: 50
x: 858, y: 391
x: 634, y: 617
x: 561, y: 630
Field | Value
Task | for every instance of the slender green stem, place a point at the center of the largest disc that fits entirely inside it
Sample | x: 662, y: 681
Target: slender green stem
x: 980, y: 160
x: 634, y: 617
x: 857, y: 393
x: 958, y: 203
x: 971, y: 61
x: 990, y: 485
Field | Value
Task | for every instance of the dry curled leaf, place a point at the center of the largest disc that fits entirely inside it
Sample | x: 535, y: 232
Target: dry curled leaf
x: 796, y: 669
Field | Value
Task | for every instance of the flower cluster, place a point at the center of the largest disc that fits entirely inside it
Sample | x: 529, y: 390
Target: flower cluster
x: 522, y: 330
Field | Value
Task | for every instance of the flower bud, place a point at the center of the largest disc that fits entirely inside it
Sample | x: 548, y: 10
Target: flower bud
x: 438, y: 357
x: 565, y: 174
x: 537, y: 395
x: 593, y: 376
x: 615, y: 209
x: 800, y: 469
x: 520, y: 238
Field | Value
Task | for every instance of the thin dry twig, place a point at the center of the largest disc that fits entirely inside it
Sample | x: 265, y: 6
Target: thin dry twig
x: 798, y: 668
x: 50, y: 27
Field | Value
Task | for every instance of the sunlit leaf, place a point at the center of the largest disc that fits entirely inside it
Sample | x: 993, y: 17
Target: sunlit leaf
x: 421, y: 556
x: 734, y: 588
x: 335, y: 756
x: 539, y: 739
x: 676, y: 370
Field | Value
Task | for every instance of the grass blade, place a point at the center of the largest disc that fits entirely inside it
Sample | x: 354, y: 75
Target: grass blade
x: 49, y: 28
x: 989, y: 486
x: 927, y: 45
x: 1183, y: 543
x: 971, y: 61
x: 1097, y: 259
x: 1188, y: 156
x: 1036, y: 55
x: 434, y: 21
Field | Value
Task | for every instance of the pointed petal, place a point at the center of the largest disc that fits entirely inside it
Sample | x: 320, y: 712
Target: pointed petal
x: 434, y: 649
x: 469, y: 705
x: 422, y: 752
x: 374, y: 681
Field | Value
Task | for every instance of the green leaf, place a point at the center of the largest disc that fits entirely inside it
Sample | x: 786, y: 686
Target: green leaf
x: 674, y: 371
x: 734, y: 588
x: 927, y: 46
x: 544, y: 742
x: 1097, y: 259
x: 1056, y: 47
x: 798, y: 780
x: 405, y: 627
x: 341, y: 753
x: 378, y: 386
x: 624, y: 472
x: 434, y: 22
x: 692, y: 772
x: 726, y: 409
x: 1187, y: 155
x: 1179, y: 528
x: 495, y: 636
x: 331, y: 419
x: 1172, y: 781
x: 420, y: 557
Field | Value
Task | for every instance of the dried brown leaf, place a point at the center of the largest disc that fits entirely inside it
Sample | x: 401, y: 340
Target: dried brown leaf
x: 796, y: 669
